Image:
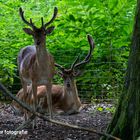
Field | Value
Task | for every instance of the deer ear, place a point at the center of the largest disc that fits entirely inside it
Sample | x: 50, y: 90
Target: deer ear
x: 49, y: 30
x: 28, y: 31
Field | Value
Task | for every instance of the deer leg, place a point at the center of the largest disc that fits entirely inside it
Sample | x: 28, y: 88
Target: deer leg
x: 24, y: 86
x: 35, y: 101
x: 77, y: 103
x: 49, y: 98
x: 59, y: 111
x: 41, y: 102
x: 29, y: 102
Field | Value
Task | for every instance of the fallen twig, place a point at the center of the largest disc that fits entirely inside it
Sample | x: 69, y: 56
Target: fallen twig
x: 24, y: 124
x: 53, y: 121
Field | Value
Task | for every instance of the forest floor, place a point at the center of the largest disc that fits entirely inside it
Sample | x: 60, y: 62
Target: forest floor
x: 95, y: 116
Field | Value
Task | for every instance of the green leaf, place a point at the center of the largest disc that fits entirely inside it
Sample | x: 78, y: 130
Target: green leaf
x: 100, y: 109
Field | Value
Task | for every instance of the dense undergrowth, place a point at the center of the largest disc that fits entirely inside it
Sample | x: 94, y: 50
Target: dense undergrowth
x: 110, y: 23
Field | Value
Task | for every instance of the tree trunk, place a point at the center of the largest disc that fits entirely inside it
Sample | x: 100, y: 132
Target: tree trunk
x: 126, y: 121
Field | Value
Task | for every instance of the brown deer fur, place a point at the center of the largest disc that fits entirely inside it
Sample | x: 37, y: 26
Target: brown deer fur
x: 62, y: 102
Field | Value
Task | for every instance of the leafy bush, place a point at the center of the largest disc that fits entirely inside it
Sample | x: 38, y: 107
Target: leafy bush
x: 110, y: 23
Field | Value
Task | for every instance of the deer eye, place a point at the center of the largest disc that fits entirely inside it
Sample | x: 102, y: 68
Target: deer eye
x: 74, y: 73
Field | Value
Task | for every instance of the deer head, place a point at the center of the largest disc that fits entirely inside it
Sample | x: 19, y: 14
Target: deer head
x: 69, y: 74
x: 39, y: 34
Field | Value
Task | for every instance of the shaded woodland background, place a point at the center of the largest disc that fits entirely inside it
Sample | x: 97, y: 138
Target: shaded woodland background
x: 110, y: 22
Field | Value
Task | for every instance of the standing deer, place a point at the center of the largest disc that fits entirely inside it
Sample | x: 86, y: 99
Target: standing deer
x: 64, y: 98
x: 35, y: 64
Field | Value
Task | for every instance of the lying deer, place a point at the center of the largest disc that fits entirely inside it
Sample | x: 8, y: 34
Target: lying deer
x: 35, y: 64
x: 61, y: 101
x: 64, y: 98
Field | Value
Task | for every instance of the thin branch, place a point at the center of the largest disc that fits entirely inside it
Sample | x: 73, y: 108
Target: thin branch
x: 23, y: 125
x: 53, y: 121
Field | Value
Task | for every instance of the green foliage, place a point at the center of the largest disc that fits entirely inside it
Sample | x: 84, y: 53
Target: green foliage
x: 110, y: 23
x: 102, y: 107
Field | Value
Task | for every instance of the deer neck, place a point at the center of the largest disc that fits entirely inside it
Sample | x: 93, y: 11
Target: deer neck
x: 41, y: 53
x: 75, y: 91
x: 43, y: 64
x: 71, y: 94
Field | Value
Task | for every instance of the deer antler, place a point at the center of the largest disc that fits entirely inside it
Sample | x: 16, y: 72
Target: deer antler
x: 54, y: 16
x: 74, y: 63
x: 87, y: 58
x: 59, y: 67
x: 21, y: 12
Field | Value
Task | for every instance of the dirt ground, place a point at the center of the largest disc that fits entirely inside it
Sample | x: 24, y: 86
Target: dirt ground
x: 89, y: 117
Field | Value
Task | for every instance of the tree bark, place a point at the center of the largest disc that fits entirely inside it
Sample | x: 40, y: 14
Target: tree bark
x: 126, y: 121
